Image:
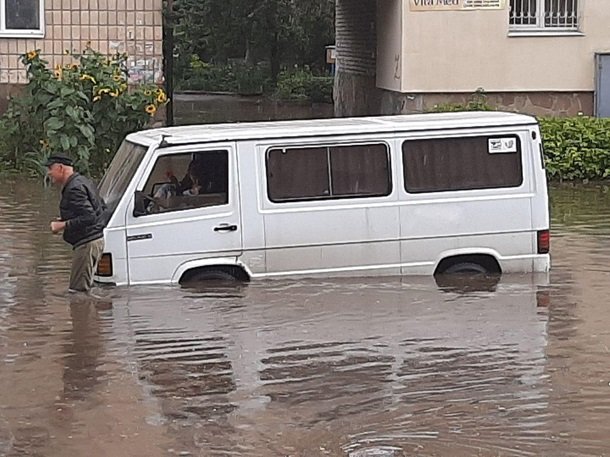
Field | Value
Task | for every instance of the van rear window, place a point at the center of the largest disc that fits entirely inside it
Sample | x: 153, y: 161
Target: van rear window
x: 328, y: 172
x: 465, y: 163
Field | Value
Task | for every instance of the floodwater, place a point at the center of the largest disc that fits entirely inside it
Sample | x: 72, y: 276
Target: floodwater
x: 390, y: 367
x: 206, y: 108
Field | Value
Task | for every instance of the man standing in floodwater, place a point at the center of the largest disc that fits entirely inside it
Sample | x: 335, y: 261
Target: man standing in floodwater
x: 81, y: 220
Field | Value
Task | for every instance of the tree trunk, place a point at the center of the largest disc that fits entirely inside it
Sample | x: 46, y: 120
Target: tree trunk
x: 274, y: 57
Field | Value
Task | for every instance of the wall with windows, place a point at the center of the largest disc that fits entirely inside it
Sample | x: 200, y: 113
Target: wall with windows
x: 531, y: 55
x: 457, y: 51
x: 53, y: 26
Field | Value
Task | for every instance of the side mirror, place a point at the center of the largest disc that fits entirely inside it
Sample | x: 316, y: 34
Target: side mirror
x: 139, y: 207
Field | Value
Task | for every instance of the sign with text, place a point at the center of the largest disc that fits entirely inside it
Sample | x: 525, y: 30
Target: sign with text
x: 455, y: 5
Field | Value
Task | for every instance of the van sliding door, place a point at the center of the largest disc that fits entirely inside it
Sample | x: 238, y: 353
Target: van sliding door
x: 328, y: 209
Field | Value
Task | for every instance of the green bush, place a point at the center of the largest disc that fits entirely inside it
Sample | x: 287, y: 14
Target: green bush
x: 245, y: 79
x: 576, y: 148
x: 83, y: 109
x: 302, y: 84
x: 208, y: 77
x: 477, y: 102
x: 251, y: 79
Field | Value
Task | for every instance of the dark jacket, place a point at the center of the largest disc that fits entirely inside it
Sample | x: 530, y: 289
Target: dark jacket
x: 83, y: 210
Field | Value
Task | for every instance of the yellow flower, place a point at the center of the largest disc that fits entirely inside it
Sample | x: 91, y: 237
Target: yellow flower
x: 103, y: 90
x: 114, y: 94
x: 117, y: 78
x: 151, y: 109
x: 161, y: 98
x: 86, y: 77
x: 44, y: 143
x: 58, y: 71
x: 148, y: 93
x: 31, y: 55
x: 97, y: 98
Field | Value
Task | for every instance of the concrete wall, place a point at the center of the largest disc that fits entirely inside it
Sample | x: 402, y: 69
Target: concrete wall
x: 390, y: 55
x: 536, y: 103
x: 426, y: 58
x: 460, y: 51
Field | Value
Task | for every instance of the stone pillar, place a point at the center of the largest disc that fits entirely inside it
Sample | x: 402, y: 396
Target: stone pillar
x: 355, y: 91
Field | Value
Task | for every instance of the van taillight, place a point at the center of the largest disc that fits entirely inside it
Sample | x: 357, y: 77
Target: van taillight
x: 544, y: 241
x: 104, y: 267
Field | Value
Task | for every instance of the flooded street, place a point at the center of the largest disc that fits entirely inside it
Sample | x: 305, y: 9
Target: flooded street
x: 384, y: 367
x: 197, y: 108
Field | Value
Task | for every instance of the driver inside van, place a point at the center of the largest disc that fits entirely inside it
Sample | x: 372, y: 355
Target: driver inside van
x: 188, y: 186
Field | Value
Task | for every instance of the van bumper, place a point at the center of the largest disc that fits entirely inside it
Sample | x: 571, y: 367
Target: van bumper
x: 542, y: 263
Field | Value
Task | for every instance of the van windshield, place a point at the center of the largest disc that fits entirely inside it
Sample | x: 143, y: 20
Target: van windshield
x: 121, y: 171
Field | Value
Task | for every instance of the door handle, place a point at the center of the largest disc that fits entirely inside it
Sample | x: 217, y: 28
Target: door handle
x: 225, y: 228
x: 144, y: 236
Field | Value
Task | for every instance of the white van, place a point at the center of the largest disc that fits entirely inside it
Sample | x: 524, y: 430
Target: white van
x: 393, y: 195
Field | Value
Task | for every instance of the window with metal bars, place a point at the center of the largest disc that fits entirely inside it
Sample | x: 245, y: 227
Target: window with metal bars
x: 544, y: 15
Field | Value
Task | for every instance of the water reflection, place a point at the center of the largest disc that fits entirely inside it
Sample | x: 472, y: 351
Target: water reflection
x: 82, y: 349
x: 357, y: 367
x: 467, y: 283
x: 286, y: 355
x: 208, y: 108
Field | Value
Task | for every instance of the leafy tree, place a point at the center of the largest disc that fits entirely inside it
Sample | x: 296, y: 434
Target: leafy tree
x: 281, y: 32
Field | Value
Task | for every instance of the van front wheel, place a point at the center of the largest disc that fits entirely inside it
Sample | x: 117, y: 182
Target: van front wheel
x: 466, y: 268
x: 209, y: 274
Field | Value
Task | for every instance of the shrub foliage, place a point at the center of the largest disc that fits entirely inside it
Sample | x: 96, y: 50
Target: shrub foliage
x: 302, y: 84
x: 575, y: 148
x: 82, y: 109
x: 296, y: 83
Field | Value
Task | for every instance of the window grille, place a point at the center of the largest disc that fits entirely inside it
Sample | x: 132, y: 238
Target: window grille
x: 544, y: 14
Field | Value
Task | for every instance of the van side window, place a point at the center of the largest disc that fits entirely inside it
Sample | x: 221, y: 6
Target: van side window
x: 328, y: 172
x: 465, y: 163
x: 187, y: 181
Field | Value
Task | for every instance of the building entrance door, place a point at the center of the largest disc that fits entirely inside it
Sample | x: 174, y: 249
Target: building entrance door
x: 602, y: 90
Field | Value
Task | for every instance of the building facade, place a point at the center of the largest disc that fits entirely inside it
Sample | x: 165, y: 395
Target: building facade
x: 54, y: 26
x: 536, y: 56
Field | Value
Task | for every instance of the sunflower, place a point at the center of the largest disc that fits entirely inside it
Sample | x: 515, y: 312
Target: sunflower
x: 31, y: 55
x: 148, y: 93
x: 117, y: 78
x: 151, y: 109
x: 161, y: 97
x: 58, y: 71
x: 97, y: 98
x: 44, y: 143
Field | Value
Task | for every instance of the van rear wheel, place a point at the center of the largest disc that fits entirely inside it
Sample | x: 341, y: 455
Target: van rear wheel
x: 466, y: 268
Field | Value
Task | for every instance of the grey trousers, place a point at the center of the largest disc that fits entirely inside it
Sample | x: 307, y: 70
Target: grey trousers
x: 84, y: 263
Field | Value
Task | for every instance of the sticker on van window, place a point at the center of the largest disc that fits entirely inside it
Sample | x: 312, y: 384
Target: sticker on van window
x: 502, y: 145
